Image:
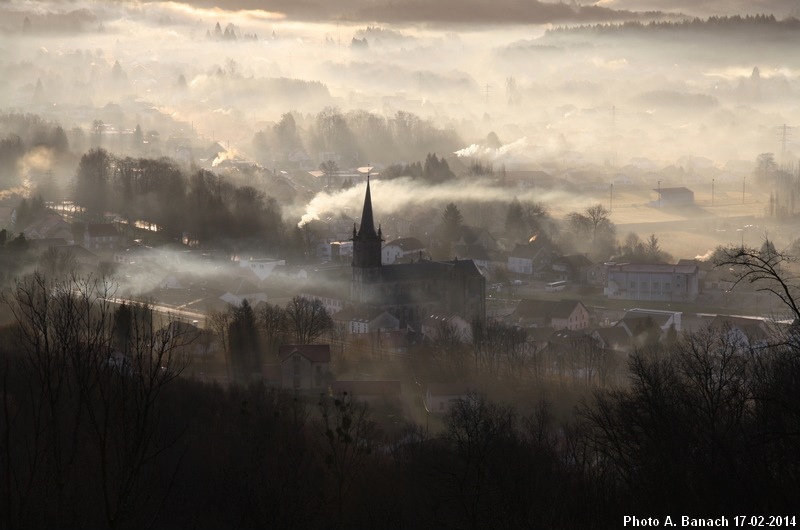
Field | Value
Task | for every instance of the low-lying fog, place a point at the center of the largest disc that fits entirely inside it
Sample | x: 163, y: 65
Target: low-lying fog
x: 590, y: 105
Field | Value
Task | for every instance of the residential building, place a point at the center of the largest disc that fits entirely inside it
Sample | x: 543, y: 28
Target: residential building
x: 556, y: 314
x: 534, y: 259
x: 305, y: 367
x: 101, y: 236
x: 652, y: 281
x: 668, y: 197
x: 402, y: 248
x: 364, y: 319
x: 261, y: 268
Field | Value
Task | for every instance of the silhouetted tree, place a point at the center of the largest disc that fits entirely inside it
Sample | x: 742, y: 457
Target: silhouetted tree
x: 306, y: 320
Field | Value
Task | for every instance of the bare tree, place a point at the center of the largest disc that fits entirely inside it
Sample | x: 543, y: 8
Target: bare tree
x: 448, y: 340
x: 330, y: 168
x: 348, y: 435
x: 306, y: 320
x: 220, y: 322
x: 272, y: 319
x: 766, y: 269
x: 85, y: 444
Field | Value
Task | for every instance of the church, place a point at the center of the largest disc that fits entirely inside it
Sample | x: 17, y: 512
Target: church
x: 412, y: 291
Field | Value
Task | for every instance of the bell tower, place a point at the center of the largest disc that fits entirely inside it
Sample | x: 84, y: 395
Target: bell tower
x: 366, y: 254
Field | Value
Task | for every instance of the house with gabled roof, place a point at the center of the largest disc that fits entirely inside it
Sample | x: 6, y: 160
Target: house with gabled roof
x: 101, y: 236
x: 750, y: 332
x: 305, y: 366
x: 403, y: 247
x: 533, y: 259
x: 637, y: 320
x: 365, y: 319
x: 557, y: 314
x: 49, y: 226
x: 574, y: 267
x: 679, y: 196
x: 614, y: 338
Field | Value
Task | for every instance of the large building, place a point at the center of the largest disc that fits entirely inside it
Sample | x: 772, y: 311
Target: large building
x: 411, y: 291
x: 652, y: 281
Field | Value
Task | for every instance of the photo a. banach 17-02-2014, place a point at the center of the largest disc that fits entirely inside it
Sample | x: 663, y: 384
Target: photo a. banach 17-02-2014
x: 742, y: 521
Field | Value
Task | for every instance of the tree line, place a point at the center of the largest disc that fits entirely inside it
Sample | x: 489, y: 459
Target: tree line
x: 199, y: 207
x: 250, y: 336
x: 356, y: 137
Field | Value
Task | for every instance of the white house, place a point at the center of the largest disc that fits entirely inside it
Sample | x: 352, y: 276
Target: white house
x: 261, y: 268
x: 401, y: 248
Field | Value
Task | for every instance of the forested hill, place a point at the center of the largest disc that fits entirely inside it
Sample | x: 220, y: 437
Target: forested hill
x: 766, y: 25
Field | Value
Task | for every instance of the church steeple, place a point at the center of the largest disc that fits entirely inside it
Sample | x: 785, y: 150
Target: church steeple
x: 366, y: 254
x: 367, y: 229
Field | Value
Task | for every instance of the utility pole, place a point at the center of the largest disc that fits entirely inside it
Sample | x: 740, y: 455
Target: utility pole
x: 659, y: 194
x: 712, y: 192
x: 611, y: 199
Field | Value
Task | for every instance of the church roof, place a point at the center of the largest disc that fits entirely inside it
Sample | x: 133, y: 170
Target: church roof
x: 367, y: 228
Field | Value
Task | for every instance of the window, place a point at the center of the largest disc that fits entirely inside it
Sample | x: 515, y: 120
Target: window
x: 633, y: 284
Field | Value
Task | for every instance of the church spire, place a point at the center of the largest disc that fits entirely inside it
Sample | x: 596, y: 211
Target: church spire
x: 367, y: 228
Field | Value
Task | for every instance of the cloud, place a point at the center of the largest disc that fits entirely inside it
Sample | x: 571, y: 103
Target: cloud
x: 439, y: 11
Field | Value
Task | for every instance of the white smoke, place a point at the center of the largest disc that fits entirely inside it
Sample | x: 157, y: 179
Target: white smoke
x: 490, y: 153
x: 398, y: 195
